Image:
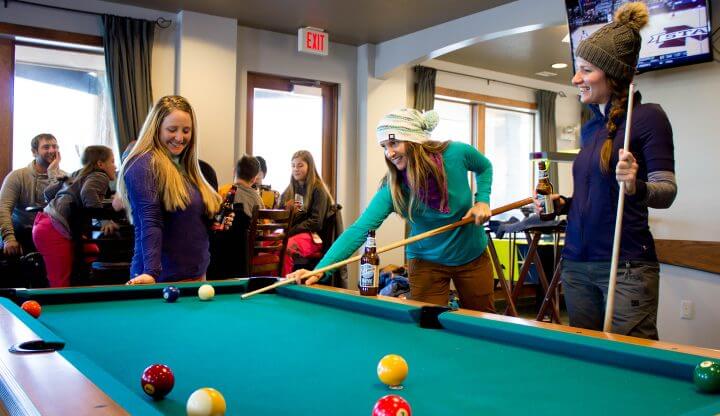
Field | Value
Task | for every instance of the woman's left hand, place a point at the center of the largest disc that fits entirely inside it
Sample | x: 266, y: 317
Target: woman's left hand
x: 480, y: 211
x: 626, y: 171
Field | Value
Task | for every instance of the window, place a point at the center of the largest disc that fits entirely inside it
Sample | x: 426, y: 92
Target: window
x: 63, y: 93
x: 285, y: 115
x: 502, y: 129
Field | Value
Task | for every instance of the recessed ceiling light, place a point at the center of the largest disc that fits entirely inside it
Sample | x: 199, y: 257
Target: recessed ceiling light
x: 559, y: 65
x: 566, y: 39
x: 546, y: 74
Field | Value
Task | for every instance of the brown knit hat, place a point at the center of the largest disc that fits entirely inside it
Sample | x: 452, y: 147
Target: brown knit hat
x: 615, y: 47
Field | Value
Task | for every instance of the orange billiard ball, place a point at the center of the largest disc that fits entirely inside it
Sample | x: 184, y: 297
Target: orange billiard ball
x: 392, y: 370
x: 32, y: 307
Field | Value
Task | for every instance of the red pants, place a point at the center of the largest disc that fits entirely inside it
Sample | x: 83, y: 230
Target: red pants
x: 56, y: 250
x: 300, y: 245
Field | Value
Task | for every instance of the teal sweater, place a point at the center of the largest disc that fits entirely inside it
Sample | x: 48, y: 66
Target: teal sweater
x: 452, y: 248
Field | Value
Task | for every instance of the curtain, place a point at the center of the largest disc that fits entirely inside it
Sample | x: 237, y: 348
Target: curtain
x: 548, y: 135
x: 425, y: 88
x: 128, y: 50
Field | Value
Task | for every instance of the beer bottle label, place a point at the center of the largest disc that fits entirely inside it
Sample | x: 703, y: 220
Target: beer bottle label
x: 369, y: 275
x: 370, y: 242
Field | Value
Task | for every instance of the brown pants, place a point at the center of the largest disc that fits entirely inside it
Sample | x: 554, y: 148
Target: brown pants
x: 430, y: 282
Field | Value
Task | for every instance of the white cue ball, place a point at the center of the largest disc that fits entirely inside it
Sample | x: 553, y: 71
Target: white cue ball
x: 206, y: 292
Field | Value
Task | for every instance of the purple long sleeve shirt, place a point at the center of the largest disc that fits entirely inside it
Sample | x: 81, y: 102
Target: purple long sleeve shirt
x: 170, y: 246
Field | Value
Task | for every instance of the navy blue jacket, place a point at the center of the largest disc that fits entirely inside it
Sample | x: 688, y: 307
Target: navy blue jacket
x: 593, y: 206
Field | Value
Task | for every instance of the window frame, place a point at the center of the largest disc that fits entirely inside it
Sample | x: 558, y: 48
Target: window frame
x: 9, y: 33
x: 329, y: 117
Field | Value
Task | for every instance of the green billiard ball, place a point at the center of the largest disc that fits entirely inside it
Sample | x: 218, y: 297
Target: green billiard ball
x: 707, y: 376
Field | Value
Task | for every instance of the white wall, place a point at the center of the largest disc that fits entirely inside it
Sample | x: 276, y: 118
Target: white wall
x: 567, y: 111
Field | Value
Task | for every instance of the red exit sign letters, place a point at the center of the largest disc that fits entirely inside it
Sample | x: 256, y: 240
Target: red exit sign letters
x: 313, y: 40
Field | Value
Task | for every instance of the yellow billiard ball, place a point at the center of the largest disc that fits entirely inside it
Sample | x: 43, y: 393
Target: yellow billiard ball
x: 206, y: 402
x: 206, y: 292
x: 392, y: 370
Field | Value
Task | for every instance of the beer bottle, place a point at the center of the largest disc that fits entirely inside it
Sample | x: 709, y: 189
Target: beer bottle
x: 369, y: 267
x: 543, y: 190
x: 225, y: 209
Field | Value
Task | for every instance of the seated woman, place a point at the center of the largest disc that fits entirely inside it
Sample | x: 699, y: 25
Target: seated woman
x: 61, y: 220
x: 306, y: 186
x: 167, y: 198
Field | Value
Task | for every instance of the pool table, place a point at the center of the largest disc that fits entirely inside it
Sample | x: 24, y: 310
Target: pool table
x: 302, y: 351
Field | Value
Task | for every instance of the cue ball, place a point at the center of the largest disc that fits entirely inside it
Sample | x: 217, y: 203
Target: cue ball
x: 206, y: 292
x: 391, y: 405
x: 157, y: 380
x: 32, y: 307
x: 392, y: 370
x: 707, y: 376
x: 206, y: 402
x: 171, y: 294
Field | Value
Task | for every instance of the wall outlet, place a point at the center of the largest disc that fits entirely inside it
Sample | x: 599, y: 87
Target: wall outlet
x: 687, y: 309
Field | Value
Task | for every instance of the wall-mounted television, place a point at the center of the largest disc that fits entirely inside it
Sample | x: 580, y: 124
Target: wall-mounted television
x: 678, y: 32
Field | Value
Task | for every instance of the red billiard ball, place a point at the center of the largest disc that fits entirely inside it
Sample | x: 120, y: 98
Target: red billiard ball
x: 157, y: 381
x: 32, y: 307
x: 391, y: 405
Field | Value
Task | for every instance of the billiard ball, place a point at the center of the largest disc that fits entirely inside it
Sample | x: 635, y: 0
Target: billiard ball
x: 391, y: 405
x: 157, y: 381
x: 32, y: 307
x: 171, y: 294
x: 707, y: 376
x: 206, y: 402
x: 206, y: 292
x: 392, y: 370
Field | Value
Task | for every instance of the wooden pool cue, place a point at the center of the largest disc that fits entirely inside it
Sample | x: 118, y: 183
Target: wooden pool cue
x: 389, y: 247
x: 610, y: 305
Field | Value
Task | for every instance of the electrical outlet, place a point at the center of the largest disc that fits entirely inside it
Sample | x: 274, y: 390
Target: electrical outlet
x: 687, y: 309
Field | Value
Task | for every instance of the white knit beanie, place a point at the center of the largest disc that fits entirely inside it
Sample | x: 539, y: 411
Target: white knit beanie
x: 407, y: 124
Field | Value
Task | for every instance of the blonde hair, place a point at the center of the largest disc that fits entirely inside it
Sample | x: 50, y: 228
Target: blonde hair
x: 420, y: 169
x: 312, y: 181
x: 172, y: 184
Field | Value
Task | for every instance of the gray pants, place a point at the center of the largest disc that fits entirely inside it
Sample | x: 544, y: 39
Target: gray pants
x: 585, y: 286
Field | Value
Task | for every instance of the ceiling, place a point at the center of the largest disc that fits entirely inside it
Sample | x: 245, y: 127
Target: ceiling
x: 524, y: 54
x: 353, y: 22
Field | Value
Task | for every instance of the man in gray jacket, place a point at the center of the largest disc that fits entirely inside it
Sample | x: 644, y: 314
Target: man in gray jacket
x: 24, y: 188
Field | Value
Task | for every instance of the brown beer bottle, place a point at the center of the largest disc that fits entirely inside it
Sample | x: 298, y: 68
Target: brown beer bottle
x: 369, y: 267
x: 225, y: 209
x: 543, y: 190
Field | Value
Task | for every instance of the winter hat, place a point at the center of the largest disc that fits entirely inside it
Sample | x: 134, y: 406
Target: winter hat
x: 407, y: 124
x: 615, y: 47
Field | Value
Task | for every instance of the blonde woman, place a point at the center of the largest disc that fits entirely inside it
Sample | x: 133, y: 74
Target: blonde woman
x: 426, y: 183
x: 169, y: 201
x: 305, y: 182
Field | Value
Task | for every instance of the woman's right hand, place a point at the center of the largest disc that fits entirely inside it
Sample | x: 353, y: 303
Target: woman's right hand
x: 302, y: 272
x: 558, y: 201
x: 142, y: 279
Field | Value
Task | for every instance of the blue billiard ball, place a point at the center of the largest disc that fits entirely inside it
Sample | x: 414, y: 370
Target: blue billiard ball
x: 171, y: 294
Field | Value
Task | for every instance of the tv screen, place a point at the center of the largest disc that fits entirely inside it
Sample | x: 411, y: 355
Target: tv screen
x: 678, y: 32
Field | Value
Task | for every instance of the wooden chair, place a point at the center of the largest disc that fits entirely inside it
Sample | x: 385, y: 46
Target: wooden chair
x: 267, y: 240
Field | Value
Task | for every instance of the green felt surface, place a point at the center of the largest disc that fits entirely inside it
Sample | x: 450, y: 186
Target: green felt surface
x: 277, y: 354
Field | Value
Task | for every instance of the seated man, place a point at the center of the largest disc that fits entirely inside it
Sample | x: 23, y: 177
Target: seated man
x: 24, y: 188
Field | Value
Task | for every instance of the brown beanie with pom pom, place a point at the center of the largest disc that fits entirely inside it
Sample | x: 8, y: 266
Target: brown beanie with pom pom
x: 615, y: 47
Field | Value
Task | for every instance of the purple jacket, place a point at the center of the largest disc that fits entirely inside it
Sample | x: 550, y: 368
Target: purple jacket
x: 169, y: 246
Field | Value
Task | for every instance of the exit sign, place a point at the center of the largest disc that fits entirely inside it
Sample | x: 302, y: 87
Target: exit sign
x: 313, y: 40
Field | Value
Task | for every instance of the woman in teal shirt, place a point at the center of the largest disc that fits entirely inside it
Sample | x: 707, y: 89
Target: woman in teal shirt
x: 427, y: 184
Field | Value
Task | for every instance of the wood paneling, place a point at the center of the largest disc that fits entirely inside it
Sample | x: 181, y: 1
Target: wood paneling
x: 49, y: 34
x: 487, y: 99
x: 7, y: 71
x: 700, y: 255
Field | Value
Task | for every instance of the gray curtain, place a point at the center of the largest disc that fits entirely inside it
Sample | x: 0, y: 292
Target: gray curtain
x: 128, y: 50
x: 548, y: 135
x: 425, y: 88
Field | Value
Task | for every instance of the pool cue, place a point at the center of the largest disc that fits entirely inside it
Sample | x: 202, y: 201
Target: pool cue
x: 389, y: 247
x: 610, y: 305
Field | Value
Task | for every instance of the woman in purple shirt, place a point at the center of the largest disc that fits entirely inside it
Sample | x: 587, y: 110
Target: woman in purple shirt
x: 169, y: 201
